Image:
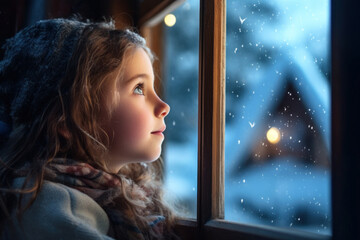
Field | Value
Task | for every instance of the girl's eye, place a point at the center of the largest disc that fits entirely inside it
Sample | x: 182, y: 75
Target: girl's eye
x: 139, y: 89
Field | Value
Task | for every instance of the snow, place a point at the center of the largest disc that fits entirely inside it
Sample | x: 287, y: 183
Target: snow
x: 271, y: 45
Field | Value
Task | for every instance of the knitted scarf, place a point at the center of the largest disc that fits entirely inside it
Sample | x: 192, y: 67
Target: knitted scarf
x: 107, y: 191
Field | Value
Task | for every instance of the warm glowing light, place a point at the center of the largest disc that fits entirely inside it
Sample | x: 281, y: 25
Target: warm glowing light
x: 170, y: 20
x: 273, y: 135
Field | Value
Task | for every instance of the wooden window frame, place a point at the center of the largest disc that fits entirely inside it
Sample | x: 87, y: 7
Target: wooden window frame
x: 345, y: 129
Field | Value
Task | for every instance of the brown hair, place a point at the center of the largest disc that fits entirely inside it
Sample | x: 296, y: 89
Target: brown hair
x: 69, y: 126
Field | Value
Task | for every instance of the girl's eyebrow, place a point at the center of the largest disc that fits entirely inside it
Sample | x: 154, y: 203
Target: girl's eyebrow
x: 141, y: 75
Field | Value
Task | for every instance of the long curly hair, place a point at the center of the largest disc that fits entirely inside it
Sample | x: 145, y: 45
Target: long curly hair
x: 69, y: 126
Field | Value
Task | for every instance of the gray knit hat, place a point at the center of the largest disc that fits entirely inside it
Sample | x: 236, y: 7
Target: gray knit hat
x: 34, y: 63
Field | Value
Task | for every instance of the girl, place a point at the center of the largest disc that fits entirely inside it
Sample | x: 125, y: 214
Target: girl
x: 80, y: 123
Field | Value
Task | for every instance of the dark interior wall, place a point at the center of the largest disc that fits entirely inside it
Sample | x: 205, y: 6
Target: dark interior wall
x: 17, y: 14
x: 11, y: 15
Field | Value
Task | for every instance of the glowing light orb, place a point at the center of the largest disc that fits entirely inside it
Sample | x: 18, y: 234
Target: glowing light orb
x: 273, y: 135
x: 170, y: 20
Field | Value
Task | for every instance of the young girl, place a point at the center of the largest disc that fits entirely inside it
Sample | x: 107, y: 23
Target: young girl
x: 80, y: 123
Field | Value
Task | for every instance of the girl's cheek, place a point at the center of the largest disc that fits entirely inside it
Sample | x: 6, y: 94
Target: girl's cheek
x: 132, y: 126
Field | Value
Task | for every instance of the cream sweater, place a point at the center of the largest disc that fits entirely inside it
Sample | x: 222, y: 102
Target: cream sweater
x: 60, y: 212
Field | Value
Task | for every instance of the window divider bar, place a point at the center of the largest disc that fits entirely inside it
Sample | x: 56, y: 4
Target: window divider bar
x: 211, y: 107
x: 205, y: 117
x: 219, y: 65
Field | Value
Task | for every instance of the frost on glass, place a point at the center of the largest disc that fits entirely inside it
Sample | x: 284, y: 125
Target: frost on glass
x: 181, y: 89
x: 277, y: 144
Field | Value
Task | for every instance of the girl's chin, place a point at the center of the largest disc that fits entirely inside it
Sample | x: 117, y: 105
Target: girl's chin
x: 151, y: 159
x: 117, y: 160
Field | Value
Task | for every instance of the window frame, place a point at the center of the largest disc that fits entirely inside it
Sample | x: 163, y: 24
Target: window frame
x: 344, y: 64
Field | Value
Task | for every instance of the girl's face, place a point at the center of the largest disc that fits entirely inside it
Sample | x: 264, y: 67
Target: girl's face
x: 136, y: 121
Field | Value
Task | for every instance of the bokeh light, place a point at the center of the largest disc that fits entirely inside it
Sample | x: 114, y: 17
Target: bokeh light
x: 273, y: 135
x: 170, y: 20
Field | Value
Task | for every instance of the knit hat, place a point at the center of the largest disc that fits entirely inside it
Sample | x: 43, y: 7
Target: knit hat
x: 34, y: 63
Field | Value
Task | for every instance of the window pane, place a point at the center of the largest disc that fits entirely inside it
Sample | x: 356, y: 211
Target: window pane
x: 277, y: 145
x: 181, y: 92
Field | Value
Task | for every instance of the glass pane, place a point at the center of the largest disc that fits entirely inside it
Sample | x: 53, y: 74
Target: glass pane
x: 181, y: 92
x: 277, y: 145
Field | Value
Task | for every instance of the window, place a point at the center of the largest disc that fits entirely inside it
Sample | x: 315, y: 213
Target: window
x: 345, y: 184
x: 277, y: 134
x: 181, y: 92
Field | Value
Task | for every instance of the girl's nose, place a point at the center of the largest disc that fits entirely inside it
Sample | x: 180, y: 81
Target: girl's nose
x: 162, y: 109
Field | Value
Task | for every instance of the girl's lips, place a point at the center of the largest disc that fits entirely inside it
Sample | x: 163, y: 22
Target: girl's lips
x: 160, y: 131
